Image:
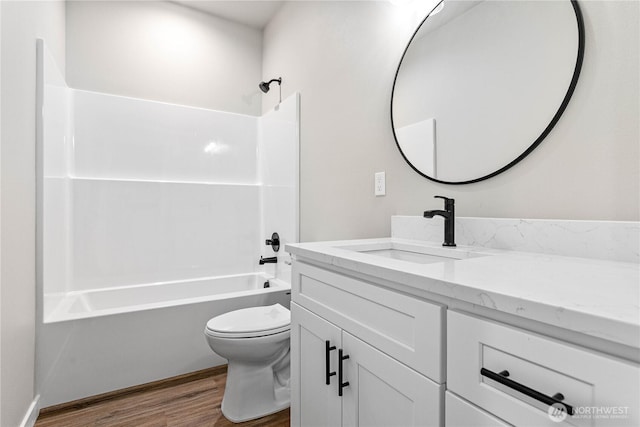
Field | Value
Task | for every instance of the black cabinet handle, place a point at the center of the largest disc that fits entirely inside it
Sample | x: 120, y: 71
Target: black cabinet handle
x: 341, y: 384
x: 556, y: 399
x: 328, y: 348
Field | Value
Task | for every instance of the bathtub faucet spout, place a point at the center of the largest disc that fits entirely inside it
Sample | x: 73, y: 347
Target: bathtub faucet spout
x: 271, y: 260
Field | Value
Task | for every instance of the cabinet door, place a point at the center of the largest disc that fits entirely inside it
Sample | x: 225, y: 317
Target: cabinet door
x: 313, y: 402
x: 384, y: 392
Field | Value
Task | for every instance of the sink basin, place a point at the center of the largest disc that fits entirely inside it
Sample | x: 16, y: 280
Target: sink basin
x: 416, y: 253
x: 417, y: 257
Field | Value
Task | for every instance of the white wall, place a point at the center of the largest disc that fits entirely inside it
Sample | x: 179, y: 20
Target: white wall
x: 342, y: 56
x: 166, y: 52
x: 22, y: 23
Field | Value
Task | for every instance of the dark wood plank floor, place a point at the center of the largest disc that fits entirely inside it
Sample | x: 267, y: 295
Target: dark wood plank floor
x: 188, y: 400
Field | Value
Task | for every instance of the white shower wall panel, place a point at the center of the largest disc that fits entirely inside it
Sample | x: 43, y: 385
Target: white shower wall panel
x: 133, y: 232
x: 280, y: 207
x: 278, y: 164
x: 278, y: 144
x: 53, y: 163
x: 56, y: 129
x: 119, y: 137
x: 55, y: 227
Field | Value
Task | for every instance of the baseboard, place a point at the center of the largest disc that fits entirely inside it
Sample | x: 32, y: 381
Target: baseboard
x: 167, y: 382
x: 31, y: 416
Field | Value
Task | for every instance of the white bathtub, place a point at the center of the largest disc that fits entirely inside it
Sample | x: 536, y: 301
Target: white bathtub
x: 107, y: 301
x: 101, y: 340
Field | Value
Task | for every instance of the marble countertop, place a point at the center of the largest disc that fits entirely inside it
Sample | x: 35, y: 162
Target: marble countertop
x: 593, y: 297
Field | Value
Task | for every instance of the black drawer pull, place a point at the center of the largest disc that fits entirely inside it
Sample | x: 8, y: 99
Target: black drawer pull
x: 341, y: 384
x: 328, y: 348
x: 556, y: 399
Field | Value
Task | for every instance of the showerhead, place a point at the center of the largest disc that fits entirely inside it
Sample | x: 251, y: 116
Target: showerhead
x: 264, y: 86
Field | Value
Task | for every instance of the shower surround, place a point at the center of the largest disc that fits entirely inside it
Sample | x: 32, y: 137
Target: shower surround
x: 152, y: 218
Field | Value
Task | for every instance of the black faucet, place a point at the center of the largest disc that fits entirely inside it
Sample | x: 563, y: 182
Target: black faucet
x: 272, y: 260
x: 449, y: 220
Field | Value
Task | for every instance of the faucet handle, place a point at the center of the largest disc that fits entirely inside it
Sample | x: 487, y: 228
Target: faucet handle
x: 448, y: 203
x: 274, y: 242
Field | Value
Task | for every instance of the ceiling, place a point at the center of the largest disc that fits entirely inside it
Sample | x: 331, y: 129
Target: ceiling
x: 254, y: 13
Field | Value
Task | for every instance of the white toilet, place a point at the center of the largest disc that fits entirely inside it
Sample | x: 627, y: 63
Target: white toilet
x: 256, y: 343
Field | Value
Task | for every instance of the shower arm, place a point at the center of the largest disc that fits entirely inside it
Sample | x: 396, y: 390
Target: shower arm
x: 264, y: 86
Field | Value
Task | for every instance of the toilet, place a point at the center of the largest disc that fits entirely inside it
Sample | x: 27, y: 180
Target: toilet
x: 255, y: 341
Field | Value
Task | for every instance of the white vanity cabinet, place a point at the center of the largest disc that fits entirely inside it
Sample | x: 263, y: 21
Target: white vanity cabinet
x: 464, y: 342
x: 381, y: 378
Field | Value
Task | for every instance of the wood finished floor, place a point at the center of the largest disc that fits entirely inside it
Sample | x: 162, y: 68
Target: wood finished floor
x: 186, y: 401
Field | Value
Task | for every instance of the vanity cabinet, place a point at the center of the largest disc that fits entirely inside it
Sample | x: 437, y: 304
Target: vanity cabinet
x: 378, y: 378
x: 497, y: 371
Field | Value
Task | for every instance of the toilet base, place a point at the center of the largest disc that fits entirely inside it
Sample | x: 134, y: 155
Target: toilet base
x: 254, y: 391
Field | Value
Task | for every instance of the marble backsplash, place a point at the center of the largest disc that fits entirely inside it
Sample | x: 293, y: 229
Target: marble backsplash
x: 607, y: 240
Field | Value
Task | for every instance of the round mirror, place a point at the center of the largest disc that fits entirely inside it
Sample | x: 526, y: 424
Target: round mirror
x: 482, y: 83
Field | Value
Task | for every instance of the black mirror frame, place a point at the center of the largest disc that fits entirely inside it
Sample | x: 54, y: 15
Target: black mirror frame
x: 545, y: 132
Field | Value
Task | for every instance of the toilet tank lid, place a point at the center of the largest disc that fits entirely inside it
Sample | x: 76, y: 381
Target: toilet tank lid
x: 253, y: 319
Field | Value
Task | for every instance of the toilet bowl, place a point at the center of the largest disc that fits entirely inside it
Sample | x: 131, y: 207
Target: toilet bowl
x: 255, y: 341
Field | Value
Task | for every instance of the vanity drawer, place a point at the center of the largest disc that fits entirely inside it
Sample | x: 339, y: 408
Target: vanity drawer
x: 406, y: 328
x: 599, y: 390
x: 459, y: 413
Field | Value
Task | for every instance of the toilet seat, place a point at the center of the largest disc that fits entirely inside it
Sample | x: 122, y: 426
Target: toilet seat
x: 250, y: 322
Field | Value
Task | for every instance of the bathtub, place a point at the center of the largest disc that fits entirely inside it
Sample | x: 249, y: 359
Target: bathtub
x: 96, y: 341
x: 107, y: 301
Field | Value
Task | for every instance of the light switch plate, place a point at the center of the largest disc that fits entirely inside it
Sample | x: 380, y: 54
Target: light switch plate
x: 380, y: 184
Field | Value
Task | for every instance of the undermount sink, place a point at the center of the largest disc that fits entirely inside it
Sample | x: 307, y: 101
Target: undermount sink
x: 416, y: 253
x: 417, y: 257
